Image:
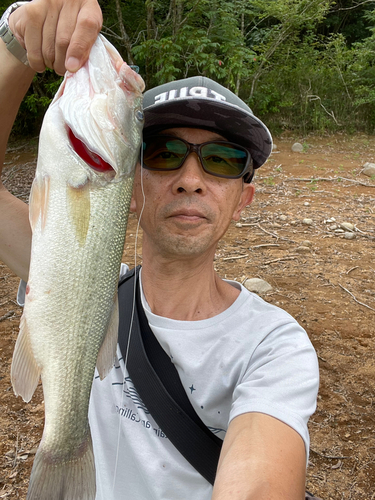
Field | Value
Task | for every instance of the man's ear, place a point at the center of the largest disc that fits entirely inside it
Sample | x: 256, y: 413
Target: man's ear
x: 246, y: 198
x: 133, y: 202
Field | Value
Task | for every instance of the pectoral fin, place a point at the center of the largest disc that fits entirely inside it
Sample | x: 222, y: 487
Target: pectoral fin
x: 25, y: 372
x: 38, y: 203
x: 107, y: 352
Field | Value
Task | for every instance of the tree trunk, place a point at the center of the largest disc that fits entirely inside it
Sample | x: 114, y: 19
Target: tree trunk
x: 124, y: 36
x: 238, y: 81
x: 151, y: 25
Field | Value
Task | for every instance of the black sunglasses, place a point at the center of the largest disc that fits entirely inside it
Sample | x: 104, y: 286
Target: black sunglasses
x: 219, y: 158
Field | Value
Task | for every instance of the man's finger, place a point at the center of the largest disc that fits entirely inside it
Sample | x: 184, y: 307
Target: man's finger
x: 26, y: 23
x: 87, y: 28
x: 33, y: 42
x: 48, y: 42
x: 62, y: 38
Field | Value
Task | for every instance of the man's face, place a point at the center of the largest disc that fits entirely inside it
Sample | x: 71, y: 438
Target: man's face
x: 187, y: 211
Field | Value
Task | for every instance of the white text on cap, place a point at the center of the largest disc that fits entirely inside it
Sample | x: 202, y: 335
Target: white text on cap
x: 193, y: 92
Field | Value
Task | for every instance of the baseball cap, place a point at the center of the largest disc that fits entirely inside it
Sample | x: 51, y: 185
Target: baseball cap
x: 203, y: 103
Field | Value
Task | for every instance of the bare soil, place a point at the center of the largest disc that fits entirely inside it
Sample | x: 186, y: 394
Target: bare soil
x: 323, y: 279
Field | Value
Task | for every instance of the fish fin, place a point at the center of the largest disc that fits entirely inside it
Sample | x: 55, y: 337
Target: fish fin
x: 38, y: 203
x: 63, y: 478
x: 107, y: 351
x: 79, y: 210
x: 25, y: 372
x: 35, y: 202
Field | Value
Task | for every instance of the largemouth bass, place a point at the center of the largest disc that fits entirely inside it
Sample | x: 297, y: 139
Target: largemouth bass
x: 79, y: 203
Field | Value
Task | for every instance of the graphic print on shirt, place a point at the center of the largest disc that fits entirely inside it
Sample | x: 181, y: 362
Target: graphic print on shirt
x: 130, y: 391
x: 128, y: 411
x: 216, y: 430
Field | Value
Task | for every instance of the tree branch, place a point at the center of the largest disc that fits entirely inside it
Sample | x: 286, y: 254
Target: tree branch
x: 124, y: 36
x: 354, y: 6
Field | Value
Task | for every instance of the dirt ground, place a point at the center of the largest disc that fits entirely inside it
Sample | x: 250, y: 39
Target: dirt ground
x: 291, y: 236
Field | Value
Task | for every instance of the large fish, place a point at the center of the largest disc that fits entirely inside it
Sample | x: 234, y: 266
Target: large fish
x: 89, y: 146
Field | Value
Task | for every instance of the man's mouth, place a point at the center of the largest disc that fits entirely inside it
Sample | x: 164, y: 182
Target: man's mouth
x: 188, y: 215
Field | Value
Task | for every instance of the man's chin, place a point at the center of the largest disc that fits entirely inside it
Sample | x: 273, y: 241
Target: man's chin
x: 186, y: 245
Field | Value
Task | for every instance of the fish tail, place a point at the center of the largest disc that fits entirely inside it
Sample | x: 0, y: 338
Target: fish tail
x: 71, y: 478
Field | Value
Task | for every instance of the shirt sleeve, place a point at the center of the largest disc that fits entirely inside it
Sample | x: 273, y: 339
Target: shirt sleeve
x: 281, y: 379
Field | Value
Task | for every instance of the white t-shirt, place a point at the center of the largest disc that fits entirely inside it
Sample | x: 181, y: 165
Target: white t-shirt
x: 253, y: 357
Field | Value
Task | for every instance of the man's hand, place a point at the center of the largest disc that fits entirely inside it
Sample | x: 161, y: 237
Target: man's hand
x: 57, y: 34
x: 262, y: 459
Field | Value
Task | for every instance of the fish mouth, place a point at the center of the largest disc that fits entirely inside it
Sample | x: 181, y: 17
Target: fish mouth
x: 95, y: 161
x: 131, y: 81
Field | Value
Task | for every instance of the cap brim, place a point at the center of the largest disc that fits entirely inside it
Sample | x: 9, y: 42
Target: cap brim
x: 229, y: 120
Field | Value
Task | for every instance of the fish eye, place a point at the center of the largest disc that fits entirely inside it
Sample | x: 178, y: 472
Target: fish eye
x: 139, y: 115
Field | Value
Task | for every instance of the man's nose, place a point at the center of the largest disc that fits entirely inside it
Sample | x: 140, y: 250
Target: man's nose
x: 191, y: 176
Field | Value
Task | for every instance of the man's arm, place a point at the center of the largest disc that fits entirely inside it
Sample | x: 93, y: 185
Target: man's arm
x: 15, y: 233
x: 262, y: 459
x: 57, y: 34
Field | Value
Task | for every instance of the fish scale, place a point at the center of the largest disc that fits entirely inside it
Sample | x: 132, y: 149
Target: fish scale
x: 79, y: 204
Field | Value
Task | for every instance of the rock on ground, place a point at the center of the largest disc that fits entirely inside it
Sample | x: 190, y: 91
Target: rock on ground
x: 297, y: 147
x: 257, y: 285
x: 369, y: 169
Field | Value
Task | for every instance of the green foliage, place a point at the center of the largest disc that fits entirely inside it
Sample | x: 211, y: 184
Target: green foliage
x: 37, y: 100
x: 4, y: 4
x: 207, y: 40
x: 306, y: 65
x: 319, y: 85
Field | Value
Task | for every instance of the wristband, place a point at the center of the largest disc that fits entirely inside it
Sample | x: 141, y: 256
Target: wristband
x: 11, y: 42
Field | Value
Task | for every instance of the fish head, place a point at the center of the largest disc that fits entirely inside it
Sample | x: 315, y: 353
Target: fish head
x: 99, y: 110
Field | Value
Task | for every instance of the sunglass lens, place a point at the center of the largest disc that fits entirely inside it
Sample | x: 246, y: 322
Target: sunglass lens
x: 163, y: 153
x: 224, y: 159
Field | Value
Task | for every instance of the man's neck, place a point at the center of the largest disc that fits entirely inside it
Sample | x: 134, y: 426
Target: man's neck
x: 186, y: 290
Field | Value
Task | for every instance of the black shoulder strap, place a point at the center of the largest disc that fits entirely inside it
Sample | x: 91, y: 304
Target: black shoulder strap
x: 158, y: 384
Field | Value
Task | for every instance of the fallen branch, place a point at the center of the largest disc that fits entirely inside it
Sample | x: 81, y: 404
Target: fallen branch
x: 235, y: 257
x: 274, y: 235
x: 7, y: 315
x: 256, y: 224
x: 352, y: 269
x: 16, y: 453
x: 356, y: 228
x: 292, y: 257
x: 358, y: 302
x: 327, y: 179
x: 328, y: 456
x: 240, y: 224
x: 357, y: 182
x: 266, y: 245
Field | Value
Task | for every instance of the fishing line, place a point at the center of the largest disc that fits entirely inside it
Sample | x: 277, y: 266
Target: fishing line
x: 125, y: 358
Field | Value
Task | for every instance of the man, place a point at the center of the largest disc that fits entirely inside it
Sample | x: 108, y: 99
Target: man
x: 248, y: 367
